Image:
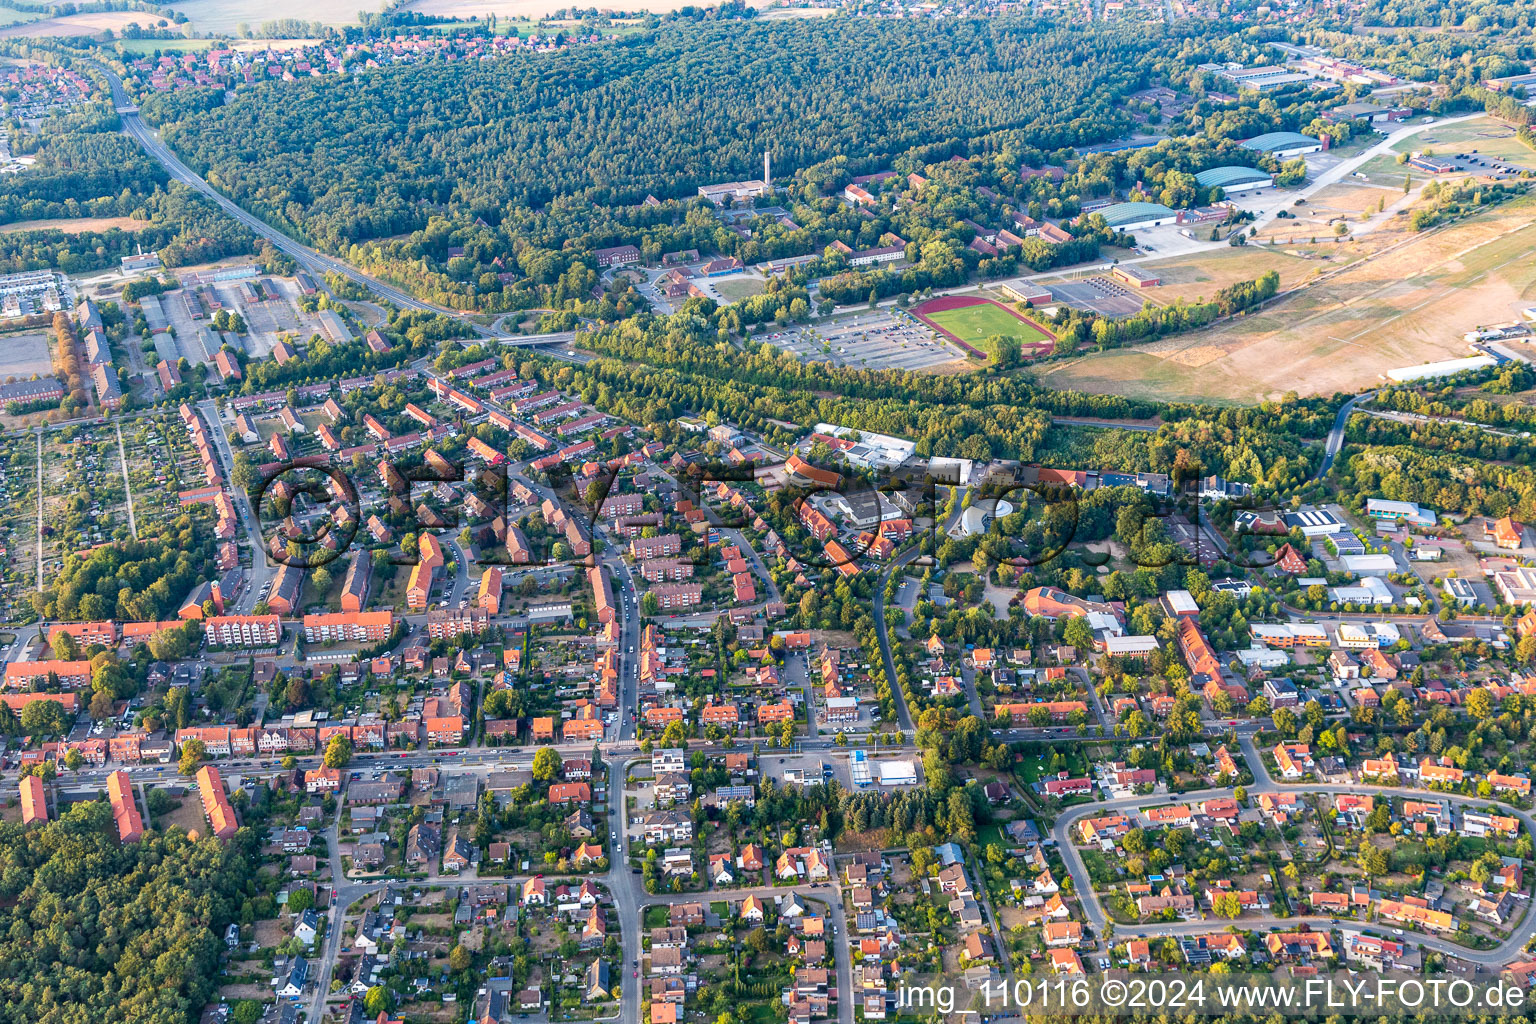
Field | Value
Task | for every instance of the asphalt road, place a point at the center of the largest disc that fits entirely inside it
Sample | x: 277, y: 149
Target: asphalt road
x: 135, y: 128
x: 1336, y: 435
x: 262, y: 570
x: 1093, y: 909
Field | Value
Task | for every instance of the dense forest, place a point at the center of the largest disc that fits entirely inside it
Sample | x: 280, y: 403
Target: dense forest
x: 97, y: 931
x: 86, y: 168
x: 489, y: 184
x: 141, y: 580
x: 369, y: 156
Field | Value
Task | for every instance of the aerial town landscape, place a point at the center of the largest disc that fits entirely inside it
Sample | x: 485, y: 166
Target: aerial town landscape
x: 826, y: 510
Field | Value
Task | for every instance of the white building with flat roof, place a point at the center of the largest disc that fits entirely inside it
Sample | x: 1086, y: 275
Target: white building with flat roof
x: 1372, y: 590
x: 1400, y: 511
x: 897, y: 773
x: 1461, y: 591
x: 1130, y: 646
x: 1368, y: 563
x: 1263, y: 657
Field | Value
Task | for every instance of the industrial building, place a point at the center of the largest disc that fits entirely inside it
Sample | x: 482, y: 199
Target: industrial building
x: 1135, y: 216
x: 1232, y: 179
x: 1283, y: 145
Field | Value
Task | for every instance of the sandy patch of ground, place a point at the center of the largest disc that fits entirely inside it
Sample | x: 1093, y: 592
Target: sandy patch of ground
x: 75, y: 225
x: 1407, y: 306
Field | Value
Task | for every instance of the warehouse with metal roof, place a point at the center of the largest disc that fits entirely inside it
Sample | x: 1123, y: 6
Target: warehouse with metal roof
x: 1131, y: 216
x: 1283, y: 144
x: 1234, y: 179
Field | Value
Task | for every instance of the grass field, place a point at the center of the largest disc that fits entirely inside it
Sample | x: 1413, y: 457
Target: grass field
x: 75, y: 225
x: 1486, y: 135
x: 145, y: 46
x: 975, y: 324
x: 738, y: 288
x: 11, y: 16
x: 1201, y: 275
x: 1354, y: 201
x: 1407, y: 306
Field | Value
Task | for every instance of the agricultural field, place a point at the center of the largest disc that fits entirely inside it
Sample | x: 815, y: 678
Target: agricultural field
x: 78, y: 24
x: 1407, y: 306
x: 228, y: 15
x: 11, y: 16
x: 76, y: 225
x: 506, y: 9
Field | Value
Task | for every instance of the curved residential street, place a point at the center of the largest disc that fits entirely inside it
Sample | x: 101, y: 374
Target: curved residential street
x: 1093, y: 909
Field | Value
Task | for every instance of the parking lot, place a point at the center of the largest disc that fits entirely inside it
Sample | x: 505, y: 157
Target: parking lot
x: 1097, y: 295
x: 188, y: 341
x: 876, y: 340
x: 270, y: 318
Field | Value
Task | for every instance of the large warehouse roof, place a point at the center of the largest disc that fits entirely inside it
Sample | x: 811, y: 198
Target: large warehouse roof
x: 1134, y: 213
x: 1224, y: 177
x: 1274, y: 142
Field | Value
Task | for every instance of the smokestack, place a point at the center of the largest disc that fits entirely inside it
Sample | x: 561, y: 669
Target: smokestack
x: 767, y: 171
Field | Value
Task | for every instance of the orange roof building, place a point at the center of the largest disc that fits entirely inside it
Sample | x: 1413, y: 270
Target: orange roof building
x: 802, y: 472
x: 125, y: 810
x: 1197, y: 650
x: 34, y: 801
x: 221, y: 816
x: 1287, y: 560
x: 418, y: 590
x: 490, y: 591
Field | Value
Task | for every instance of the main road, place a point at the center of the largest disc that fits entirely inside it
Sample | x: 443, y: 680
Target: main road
x: 314, y: 261
x: 135, y: 128
x: 1336, y: 435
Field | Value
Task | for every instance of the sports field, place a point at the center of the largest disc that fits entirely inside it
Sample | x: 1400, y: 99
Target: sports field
x: 1407, y: 306
x: 971, y: 321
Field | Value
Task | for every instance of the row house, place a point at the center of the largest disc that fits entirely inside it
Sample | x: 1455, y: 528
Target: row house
x: 215, y: 739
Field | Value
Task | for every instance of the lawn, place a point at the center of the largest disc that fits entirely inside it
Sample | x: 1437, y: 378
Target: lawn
x: 737, y: 288
x: 144, y: 46
x: 1029, y: 769
x: 1486, y: 135
x: 975, y: 324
